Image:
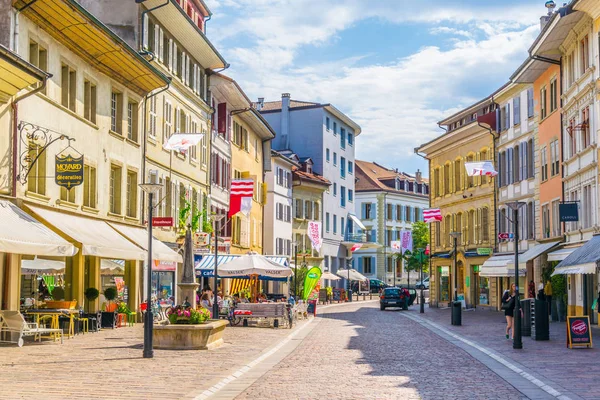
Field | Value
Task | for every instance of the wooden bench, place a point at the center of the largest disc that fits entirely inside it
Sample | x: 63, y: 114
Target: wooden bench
x: 13, y: 328
x: 266, y: 311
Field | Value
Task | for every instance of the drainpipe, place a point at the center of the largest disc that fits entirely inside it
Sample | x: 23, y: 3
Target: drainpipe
x: 15, y: 130
x: 205, y: 21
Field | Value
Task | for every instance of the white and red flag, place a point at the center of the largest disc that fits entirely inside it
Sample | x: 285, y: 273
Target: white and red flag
x: 356, y: 246
x: 240, y: 196
x: 432, y: 215
x: 182, y: 141
x: 480, y: 168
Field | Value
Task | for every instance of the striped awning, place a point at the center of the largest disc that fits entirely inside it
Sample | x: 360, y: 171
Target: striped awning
x: 205, y: 264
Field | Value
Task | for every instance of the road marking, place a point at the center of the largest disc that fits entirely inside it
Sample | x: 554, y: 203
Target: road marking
x: 246, y: 368
x: 537, y: 382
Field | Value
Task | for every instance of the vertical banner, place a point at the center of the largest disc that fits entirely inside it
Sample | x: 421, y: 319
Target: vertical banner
x: 406, y: 240
x: 310, y: 282
x: 314, y: 234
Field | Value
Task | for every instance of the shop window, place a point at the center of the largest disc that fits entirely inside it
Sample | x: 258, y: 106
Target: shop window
x: 89, y: 186
x: 132, y: 185
x: 132, y: 121
x: 89, y: 101
x: 115, y: 189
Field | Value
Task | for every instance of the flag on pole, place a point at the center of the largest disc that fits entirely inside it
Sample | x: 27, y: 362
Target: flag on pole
x: 432, y: 215
x: 314, y: 234
x: 240, y: 196
x: 480, y: 168
x: 407, y: 240
x: 356, y: 246
x: 182, y: 141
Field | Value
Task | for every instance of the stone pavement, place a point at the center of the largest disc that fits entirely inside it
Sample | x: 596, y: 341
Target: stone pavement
x: 573, y: 370
x: 109, y: 365
x: 355, y: 351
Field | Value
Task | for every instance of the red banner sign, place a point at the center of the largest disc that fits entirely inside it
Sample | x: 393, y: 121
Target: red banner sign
x: 162, y: 221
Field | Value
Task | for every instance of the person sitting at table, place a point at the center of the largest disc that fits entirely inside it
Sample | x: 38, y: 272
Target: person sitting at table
x: 204, y: 301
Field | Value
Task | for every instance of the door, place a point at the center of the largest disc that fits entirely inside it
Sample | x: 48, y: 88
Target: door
x: 475, y: 289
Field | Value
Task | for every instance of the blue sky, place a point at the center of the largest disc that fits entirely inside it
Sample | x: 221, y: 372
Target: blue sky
x: 394, y: 66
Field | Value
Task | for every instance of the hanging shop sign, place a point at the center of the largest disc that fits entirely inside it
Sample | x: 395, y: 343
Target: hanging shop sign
x: 579, y: 333
x: 201, y: 239
x: 568, y: 212
x: 162, y: 221
x: 68, y: 168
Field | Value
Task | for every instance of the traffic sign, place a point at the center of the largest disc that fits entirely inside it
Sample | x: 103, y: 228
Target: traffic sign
x: 162, y: 221
x: 505, y: 235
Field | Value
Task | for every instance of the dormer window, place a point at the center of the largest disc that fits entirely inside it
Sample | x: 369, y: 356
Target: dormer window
x: 397, y: 184
x: 308, y: 168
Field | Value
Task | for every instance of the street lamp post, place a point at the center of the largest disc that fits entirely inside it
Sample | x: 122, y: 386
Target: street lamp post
x: 517, y: 337
x: 296, y: 271
x: 455, y: 236
x: 216, y: 218
x: 422, y: 297
x: 151, y: 189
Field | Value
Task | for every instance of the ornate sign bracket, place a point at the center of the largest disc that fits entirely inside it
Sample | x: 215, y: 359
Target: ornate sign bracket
x: 34, y: 140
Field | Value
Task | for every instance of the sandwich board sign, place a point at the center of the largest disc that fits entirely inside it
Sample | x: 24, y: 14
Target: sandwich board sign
x: 579, y: 333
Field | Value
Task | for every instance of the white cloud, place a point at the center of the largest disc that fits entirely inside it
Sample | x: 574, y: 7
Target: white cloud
x: 397, y: 103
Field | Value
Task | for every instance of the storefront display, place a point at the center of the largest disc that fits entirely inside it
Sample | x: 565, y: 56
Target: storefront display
x: 162, y: 285
x: 444, y: 284
x: 484, y: 291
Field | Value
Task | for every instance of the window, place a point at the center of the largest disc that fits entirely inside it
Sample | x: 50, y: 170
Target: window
x: 334, y: 189
x: 342, y: 138
x: 447, y: 179
x: 572, y: 138
x: 334, y: 220
x: 470, y: 183
x: 327, y: 155
x: 308, y: 210
x: 327, y: 126
x: 587, y: 207
x: 342, y: 196
x: 342, y: 226
x: 408, y: 214
x: 68, y: 87
x: 342, y: 167
x: 326, y: 222
x: 438, y: 233
x: 115, y: 189
x: 530, y: 162
x: 544, y: 163
x: 367, y: 264
x: 517, y: 110
x: 485, y: 225
x: 36, y: 180
x: 530, y: 103
x: 334, y: 128
x: 89, y: 101
x: 555, y: 219
x: 471, y: 226
x: 350, y: 138
x: 168, y: 121
x: 194, y: 149
x: 554, y: 157
x: 584, y: 54
x: 132, y: 189
x: 530, y: 220
x: 505, y: 117
x: 368, y: 210
x: 67, y: 194
x: 553, y: 95
x: 543, y: 110
x: 457, y: 176
x: 116, y: 111
x: 350, y: 167
x: 436, y: 181
x: 350, y: 195
x: 298, y: 208
x: 518, y: 151
x: 586, y: 140
x: 334, y: 158
x: 132, y: 121
x: 89, y: 186
x: 316, y: 212
x: 545, y: 221
x: 240, y: 136
x: 38, y: 56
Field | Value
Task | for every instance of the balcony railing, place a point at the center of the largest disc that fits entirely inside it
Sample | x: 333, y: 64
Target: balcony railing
x: 355, y: 237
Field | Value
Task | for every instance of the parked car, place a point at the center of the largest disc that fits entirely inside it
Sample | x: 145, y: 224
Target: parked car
x: 423, y: 285
x: 375, y: 285
x: 394, y: 297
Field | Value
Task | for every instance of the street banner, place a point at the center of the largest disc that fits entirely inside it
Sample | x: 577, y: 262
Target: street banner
x: 579, y: 332
x: 310, y: 282
x: 432, y: 215
x: 183, y: 141
x: 407, y: 241
x: 314, y: 234
x: 396, y: 246
x: 480, y: 168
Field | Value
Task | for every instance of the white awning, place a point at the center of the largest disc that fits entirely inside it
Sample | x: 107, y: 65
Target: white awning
x: 497, y: 261
x: 20, y: 233
x: 357, y: 221
x: 559, y: 255
x: 96, y: 237
x: 499, y: 266
x: 139, y: 236
x: 532, y: 253
x: 580, y: 269
x: 352, y: 273
x: 330, y: 276
x: 41, y: 266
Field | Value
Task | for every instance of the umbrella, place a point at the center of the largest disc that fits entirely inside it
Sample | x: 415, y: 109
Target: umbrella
x: 330, y: 276
x: 354, y: 275
x: 253, y: 265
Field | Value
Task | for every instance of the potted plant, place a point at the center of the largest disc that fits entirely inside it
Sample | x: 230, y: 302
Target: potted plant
x: 109, y: 316
x: 91, y: 294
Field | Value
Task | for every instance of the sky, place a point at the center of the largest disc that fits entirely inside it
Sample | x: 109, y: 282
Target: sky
x: 396, y: 67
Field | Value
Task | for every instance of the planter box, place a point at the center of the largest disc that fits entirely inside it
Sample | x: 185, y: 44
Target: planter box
x: 189, y: 337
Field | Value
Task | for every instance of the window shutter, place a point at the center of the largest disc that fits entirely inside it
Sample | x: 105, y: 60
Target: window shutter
x: 360, y: 264
x: 500, y: 170
x: 373, y: 261
x: 161, y: 39
x: 373, y: 211
x: 222, y: 118
x: 363, y: 212
x: 374, y: 235
x: 145, y: 32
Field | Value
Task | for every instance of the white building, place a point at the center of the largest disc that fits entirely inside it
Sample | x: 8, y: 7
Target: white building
x: 387, y: 201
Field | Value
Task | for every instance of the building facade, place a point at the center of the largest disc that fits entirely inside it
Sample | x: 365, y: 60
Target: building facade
x: 327, y: 136
x: 387, y: 202
x: 467, y: 206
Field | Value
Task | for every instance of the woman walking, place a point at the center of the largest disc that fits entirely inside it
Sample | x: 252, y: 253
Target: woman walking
x: 508, y: 305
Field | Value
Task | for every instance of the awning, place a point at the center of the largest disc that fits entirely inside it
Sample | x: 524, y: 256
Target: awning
x: 204, y: 264
x: 20, y: 233
x: 330, y: 276
x: 139, y: 236
x: 357, y: 221
x: 41, y: 266
x: 352, y: 273
x: 559, y: 255
x: 16, y: 74
x: 500, y: 266
x: 96, y: 237
x: 532, y: 253
x: 581, y: 261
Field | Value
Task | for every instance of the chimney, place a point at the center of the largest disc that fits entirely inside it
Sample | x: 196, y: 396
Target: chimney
x: 285, y: 120
x: 260, y: 104
x: 419, y: 176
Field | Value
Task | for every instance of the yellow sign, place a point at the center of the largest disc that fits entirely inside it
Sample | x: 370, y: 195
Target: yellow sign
x: 69, y: 171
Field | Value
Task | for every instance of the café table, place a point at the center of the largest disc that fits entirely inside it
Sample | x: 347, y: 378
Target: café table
x: 54, y: 314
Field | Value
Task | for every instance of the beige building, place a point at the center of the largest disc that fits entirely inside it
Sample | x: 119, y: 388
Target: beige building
x: 90, y: 110
x: 467, y: 206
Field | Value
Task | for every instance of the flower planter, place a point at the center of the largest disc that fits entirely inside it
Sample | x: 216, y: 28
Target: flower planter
x: 189, y: 337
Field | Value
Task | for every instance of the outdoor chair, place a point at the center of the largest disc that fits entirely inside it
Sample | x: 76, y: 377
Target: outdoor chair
x: 13, y: 328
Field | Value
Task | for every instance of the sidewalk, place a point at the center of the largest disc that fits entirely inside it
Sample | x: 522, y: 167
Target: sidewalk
x: 573, y: 369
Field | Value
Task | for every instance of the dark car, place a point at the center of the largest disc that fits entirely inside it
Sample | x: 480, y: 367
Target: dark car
x: 394, y: 297
x: 375, y: 285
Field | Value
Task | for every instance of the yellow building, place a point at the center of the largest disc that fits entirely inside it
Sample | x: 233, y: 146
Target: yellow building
x: 467, y: 206
x: 93, y: 98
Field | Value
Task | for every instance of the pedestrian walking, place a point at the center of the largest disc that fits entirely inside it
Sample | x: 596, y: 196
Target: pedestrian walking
x: 541, y: 294
x: 531, y: 290
x: 508, y: 305
x: 548, y: 293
